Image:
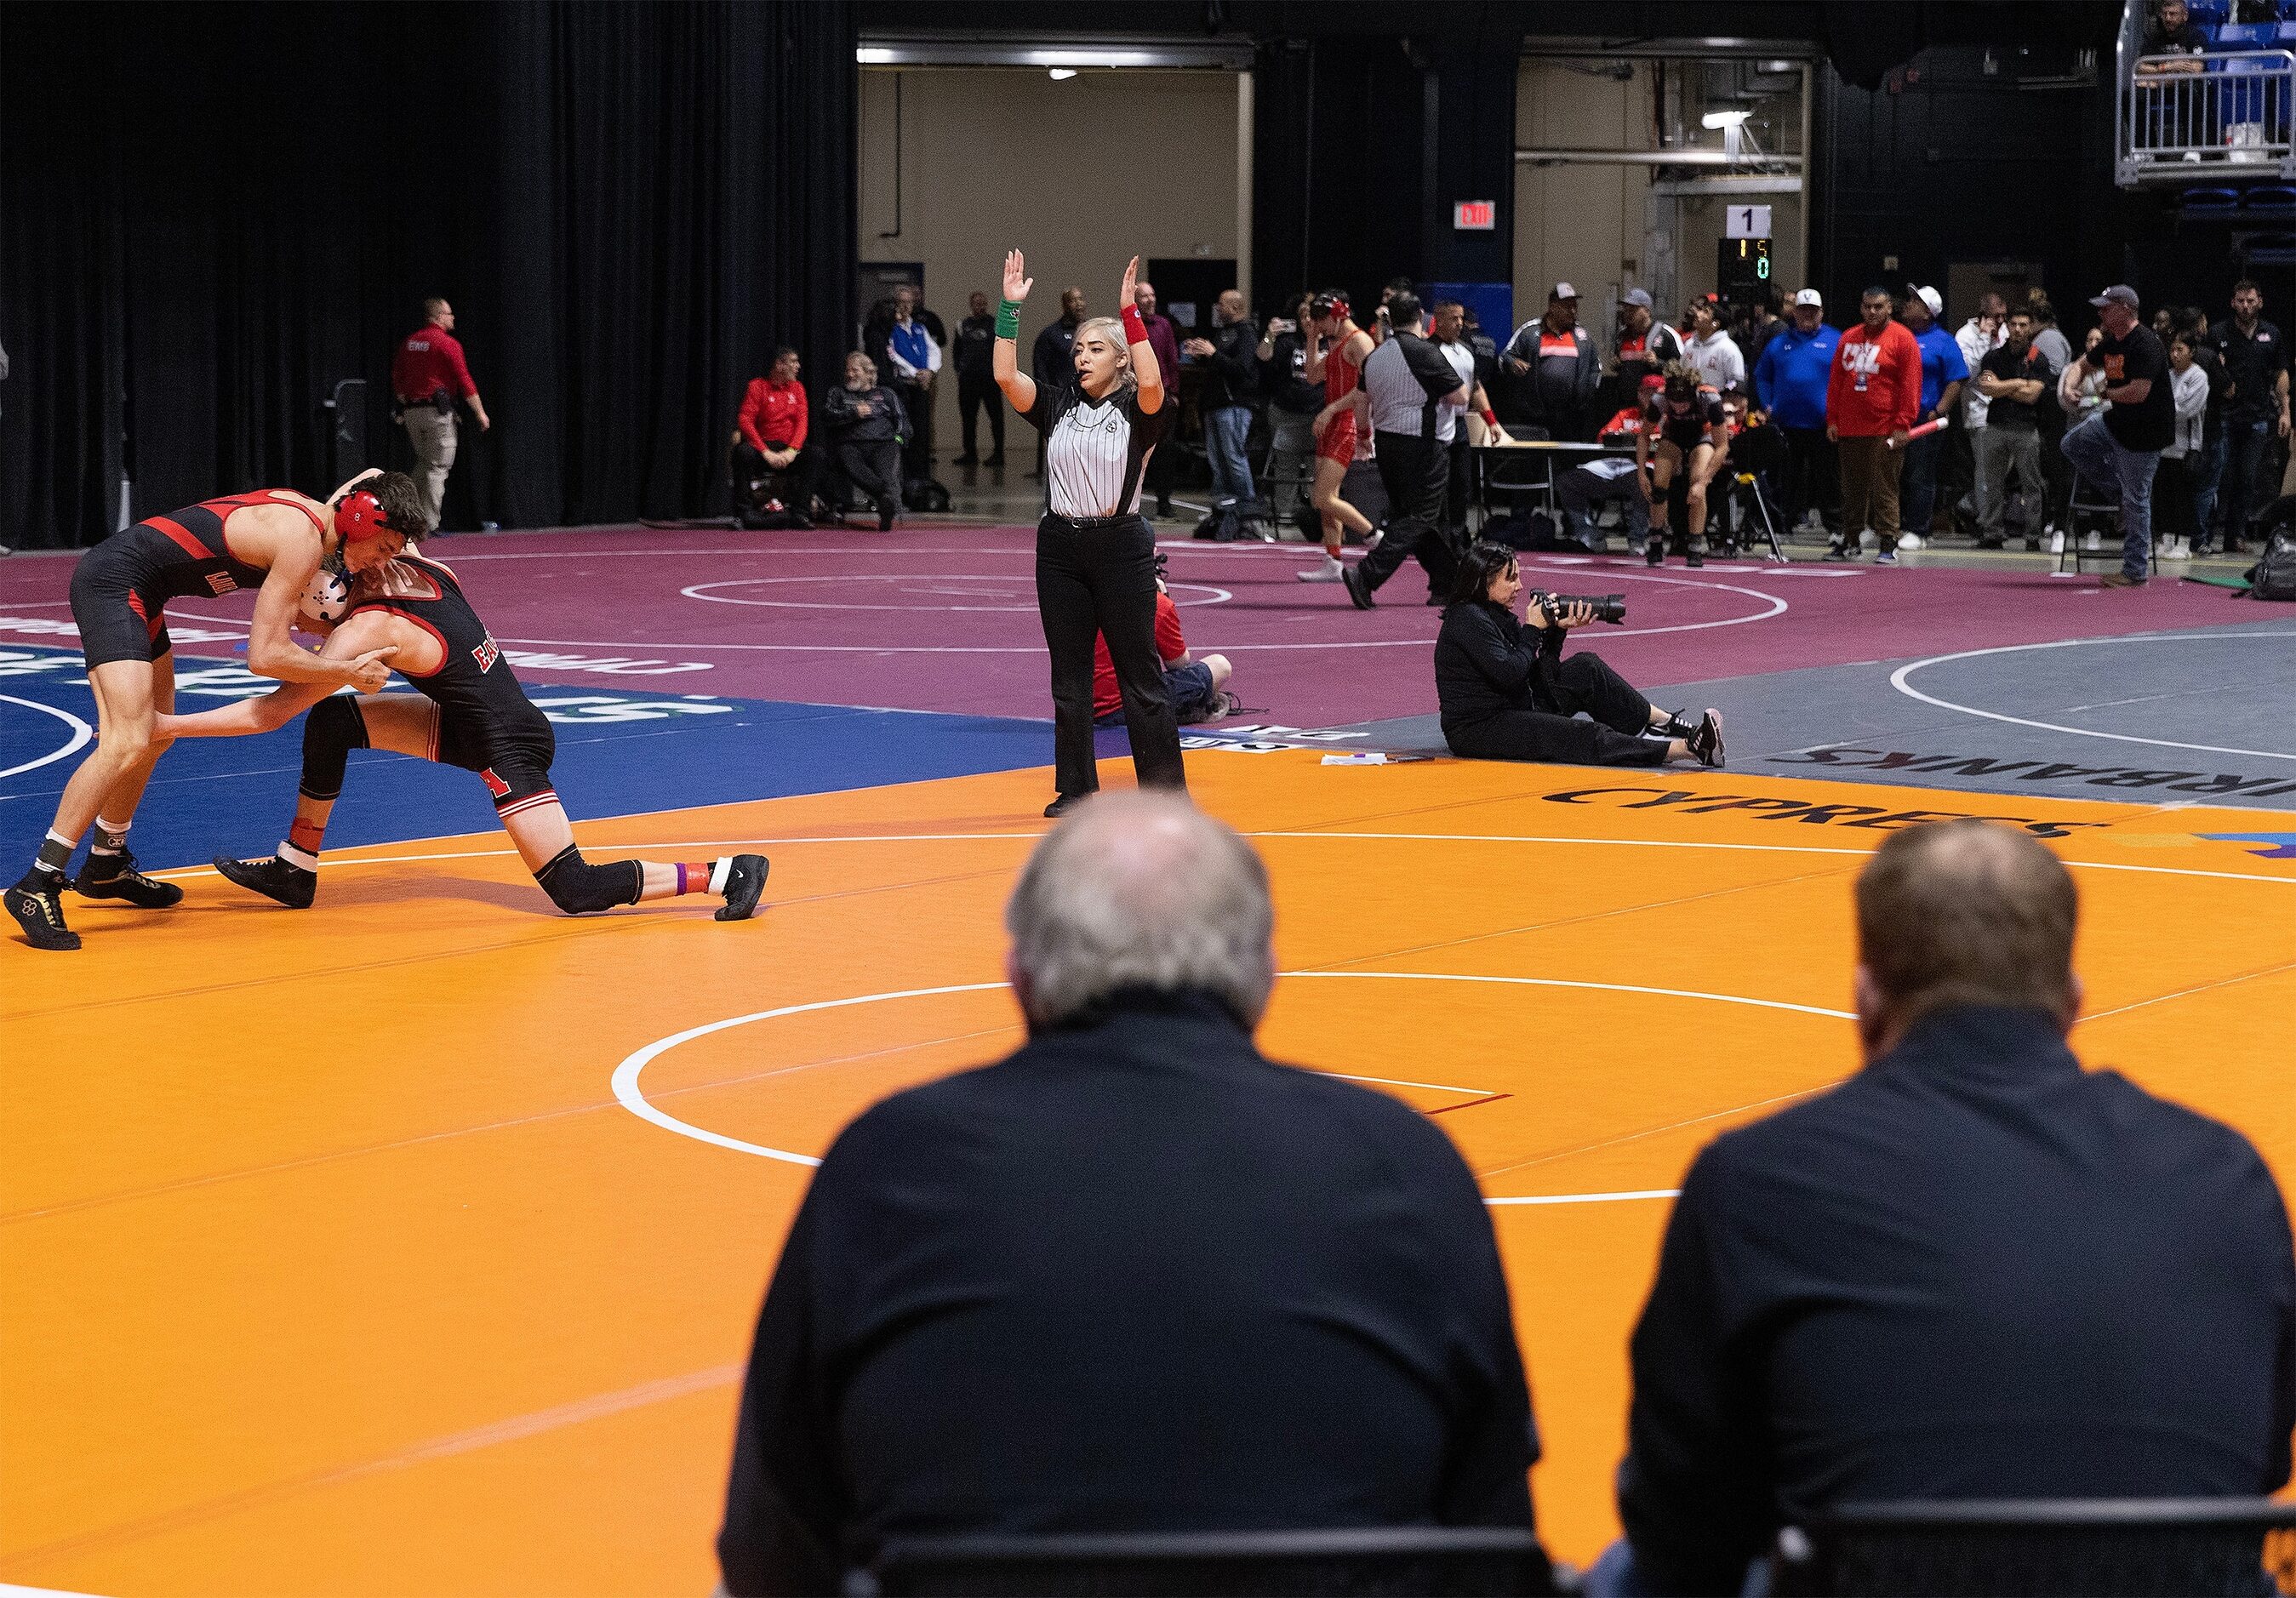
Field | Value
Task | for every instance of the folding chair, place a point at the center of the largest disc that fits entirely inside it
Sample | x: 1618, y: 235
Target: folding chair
x: 1366, y: 1562
x: 2041, y: 1548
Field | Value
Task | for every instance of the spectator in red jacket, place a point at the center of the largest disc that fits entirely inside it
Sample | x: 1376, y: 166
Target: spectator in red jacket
x: 770, y: 439
x: 427, y: 374
x: 1194, y: 686
x: 1870, y: 401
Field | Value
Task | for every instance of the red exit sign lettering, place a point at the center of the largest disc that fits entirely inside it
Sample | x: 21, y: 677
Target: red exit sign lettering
x: 1474, y: 216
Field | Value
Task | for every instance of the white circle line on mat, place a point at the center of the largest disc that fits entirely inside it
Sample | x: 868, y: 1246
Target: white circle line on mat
x: 630, y: 1093
x: 701, y: 591
x: 77, y: 739
x: 1897, y: 680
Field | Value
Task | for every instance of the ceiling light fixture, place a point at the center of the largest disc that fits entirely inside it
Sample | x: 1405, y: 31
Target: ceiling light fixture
x: 1060, y: 73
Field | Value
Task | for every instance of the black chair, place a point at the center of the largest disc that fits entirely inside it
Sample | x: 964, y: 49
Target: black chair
x: 2043, y: 1548
x: 1372, y: 1562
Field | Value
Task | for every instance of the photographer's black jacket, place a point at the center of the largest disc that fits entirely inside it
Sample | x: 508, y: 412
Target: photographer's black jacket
x: 1486, y: 663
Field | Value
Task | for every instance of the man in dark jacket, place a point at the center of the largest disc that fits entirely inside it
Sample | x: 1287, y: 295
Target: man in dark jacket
x: 1231, y: 359
x: 1508, y: 694
x: 866, y: 426
x: 1134, y: 1277
x: 1973, y: 1270
x: 976, y: 385
x: 1051, y: 358
x: 1553, y: 369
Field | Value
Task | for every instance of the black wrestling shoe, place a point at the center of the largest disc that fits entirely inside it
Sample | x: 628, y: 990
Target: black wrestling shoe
x: 1706, y: 742
x: 744, y: 883
x: 122, y: 881
x: 273, y: 879
x: 1065, y: 803
x: 1697, y: 557
x: 1654, y: 553
x: 37, y: 904
x: 1358, y: 594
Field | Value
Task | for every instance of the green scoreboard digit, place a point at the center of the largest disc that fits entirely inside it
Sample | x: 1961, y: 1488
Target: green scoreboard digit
x: 1742, y: 268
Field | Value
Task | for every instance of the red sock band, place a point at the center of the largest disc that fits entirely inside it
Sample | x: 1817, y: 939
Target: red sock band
x: 1135, y: 331
x: 692, y: 878
x: 306, y: 835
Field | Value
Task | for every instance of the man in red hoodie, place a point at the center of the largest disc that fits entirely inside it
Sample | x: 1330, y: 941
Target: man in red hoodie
x: 770, y: 437
x: 1870, y: 401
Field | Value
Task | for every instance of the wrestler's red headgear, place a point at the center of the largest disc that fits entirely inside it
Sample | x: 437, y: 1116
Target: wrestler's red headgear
x: 1651, y: 379
x: 1328, y: 304
x: 359, y: 516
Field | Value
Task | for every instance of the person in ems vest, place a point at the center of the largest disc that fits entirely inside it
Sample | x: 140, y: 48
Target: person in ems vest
x: 1553, y: 368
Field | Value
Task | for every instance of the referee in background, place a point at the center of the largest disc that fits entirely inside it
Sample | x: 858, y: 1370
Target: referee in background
x: 427, y: 374
x: 1415, y: 396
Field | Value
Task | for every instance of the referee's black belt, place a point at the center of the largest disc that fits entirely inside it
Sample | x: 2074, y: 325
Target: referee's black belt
x: 1091, y: 523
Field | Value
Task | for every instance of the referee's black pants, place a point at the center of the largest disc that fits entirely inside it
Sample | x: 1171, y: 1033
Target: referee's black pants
x: 1100, y: 581
x: 1555, y: 733
x: 1415, y: 471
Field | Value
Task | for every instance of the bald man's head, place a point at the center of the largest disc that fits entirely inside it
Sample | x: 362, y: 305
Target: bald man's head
x: 1963, y: 912
x: 1140, y: 890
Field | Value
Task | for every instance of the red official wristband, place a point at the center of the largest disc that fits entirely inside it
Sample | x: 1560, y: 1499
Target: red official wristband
x: 1135, y: 331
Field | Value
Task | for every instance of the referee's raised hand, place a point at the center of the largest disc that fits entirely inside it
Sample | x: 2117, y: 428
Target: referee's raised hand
x: 1016, y: 287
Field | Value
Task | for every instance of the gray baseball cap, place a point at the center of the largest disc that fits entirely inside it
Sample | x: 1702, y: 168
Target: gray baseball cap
x: 2118, y: 294
x: 1640, y: 297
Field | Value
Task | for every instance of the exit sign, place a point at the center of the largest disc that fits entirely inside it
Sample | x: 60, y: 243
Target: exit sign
x: 1474, y: 216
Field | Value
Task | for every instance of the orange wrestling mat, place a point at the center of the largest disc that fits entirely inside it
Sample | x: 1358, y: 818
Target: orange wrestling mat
x: 411, y: 1244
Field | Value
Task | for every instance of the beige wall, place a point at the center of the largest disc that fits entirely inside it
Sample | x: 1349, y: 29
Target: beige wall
x: 1593, y: 224
x: 1080, y: 173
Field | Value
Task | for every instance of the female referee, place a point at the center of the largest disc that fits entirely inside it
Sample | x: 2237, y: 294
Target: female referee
x: 1095, y: 553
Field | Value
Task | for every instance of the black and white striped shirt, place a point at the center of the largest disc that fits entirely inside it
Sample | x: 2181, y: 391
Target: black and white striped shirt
x: 1096, y: 450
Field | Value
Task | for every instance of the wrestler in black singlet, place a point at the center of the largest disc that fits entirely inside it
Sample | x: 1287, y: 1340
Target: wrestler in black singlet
x: 485, y: 723
x: 1685, y: 430
x: 121, y: 588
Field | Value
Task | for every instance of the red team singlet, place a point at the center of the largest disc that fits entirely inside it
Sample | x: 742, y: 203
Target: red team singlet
x: 1341, y: 375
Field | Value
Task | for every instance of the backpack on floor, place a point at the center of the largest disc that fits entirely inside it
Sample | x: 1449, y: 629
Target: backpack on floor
x: 2274, y: 576
x: 1230, y: 520
x: 923, y: 494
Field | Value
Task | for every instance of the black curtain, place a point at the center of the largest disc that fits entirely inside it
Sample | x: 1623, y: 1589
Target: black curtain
x: 210, y: 214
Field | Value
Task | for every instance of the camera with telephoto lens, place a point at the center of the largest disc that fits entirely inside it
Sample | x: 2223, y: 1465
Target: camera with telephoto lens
x: 1607, y: 607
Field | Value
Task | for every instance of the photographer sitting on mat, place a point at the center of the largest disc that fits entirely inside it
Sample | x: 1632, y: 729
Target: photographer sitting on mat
x: 1508, y: 694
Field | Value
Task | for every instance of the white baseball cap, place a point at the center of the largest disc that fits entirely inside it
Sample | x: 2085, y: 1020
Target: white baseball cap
x: 1809, y: 297
x: 1563, y: 291
x: 1932, y: 299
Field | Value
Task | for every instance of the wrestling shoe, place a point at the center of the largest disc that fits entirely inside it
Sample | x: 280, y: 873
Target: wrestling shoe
x: 1064, y: 803
x: 1330, y: 572
x: 1654, y: 553
x: 1697, y: 557
x: 1706, y: 742
x: 123, y: 881
x: 1375, y: 537
x: 743, y: 885
x: 37, y: 904
x: 1358, y: 594
x: 273, y: 878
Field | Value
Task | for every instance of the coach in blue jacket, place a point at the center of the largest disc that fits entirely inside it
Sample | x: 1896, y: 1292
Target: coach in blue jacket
x: 1790, y: 381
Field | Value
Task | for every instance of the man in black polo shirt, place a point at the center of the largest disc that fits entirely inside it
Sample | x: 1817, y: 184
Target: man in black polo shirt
x: 2120, y: 446
x: 1136, y: 1277
x: 1973, y: 1270
x: 2255, y: 409
x: 1415, y: 396
x: 2012, y: 379
x: 976, y: 384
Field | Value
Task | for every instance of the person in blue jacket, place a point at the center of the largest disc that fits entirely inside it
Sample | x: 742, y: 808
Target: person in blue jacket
x: 1790, y: 381
x: 1944, y: 370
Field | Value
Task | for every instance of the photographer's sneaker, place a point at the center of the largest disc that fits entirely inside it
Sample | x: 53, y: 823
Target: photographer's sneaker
x: 1706, y: 742
x: 115, y: 877
x: 1330, y: 571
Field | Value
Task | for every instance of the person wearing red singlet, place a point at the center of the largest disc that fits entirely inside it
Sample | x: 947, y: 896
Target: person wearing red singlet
x: 272, y: 540
x: 1336, y: 348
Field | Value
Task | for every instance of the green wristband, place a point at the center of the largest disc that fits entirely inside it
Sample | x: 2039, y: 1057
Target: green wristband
x: 1008, y: 319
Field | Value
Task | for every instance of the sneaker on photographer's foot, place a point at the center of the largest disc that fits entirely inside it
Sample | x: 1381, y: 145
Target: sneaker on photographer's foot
x: 1705, y: 744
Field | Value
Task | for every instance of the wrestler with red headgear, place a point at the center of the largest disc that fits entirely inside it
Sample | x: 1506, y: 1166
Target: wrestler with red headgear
x: 272, y: 540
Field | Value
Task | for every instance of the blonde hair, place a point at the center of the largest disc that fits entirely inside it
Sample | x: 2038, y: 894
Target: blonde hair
x: 862, y: 357
x: 1113, y: 330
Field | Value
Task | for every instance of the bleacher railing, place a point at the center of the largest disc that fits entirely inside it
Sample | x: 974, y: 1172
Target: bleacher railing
x: 2230, y: 117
